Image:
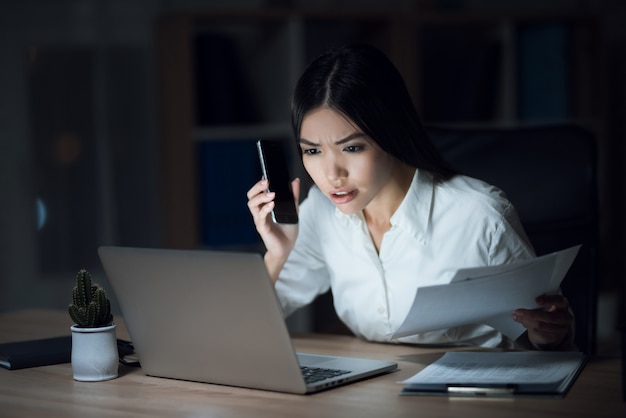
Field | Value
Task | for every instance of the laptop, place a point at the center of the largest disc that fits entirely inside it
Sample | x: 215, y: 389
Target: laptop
x: 214, y: 317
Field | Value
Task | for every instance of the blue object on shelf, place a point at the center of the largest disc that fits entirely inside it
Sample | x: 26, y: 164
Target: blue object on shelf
x: 226, y: 171
x: 544, y: 67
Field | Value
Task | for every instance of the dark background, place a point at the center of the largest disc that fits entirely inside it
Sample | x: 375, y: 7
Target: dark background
x: 81, y: 155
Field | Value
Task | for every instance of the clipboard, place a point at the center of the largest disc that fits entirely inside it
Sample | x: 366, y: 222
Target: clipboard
x: 498, y: 374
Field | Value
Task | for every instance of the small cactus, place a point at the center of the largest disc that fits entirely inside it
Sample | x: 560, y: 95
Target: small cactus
x: 90, y: 307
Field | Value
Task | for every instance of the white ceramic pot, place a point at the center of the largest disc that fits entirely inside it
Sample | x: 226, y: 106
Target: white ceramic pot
x: 94, y: 353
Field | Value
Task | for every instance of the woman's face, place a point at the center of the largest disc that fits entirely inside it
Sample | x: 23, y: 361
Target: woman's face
x: 346, y: 165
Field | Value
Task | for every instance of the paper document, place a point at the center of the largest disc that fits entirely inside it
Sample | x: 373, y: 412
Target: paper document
x: 498, y: 373
x: 487, y: 295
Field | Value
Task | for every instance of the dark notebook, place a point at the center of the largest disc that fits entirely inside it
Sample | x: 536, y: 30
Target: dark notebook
x: 33, y: 353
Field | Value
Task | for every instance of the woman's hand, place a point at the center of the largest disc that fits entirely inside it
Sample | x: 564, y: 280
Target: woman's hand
x: 278, y: 239
x: 549, y: 325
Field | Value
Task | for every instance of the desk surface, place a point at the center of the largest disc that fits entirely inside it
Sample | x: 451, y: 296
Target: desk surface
x: 50, y: 390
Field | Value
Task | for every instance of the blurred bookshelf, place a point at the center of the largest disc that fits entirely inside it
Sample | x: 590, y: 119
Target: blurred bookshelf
x: 227, y: 77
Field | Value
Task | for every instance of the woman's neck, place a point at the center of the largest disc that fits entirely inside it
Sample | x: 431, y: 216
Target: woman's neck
x: 379, y: 212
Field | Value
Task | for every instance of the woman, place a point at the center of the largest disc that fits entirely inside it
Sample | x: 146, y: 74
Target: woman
x: 386, y: 214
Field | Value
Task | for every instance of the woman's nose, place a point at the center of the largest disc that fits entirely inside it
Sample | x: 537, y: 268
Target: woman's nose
x: 335, y: 172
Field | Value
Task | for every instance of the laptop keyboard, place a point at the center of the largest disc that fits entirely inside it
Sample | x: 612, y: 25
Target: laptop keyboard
x: 317, y: 374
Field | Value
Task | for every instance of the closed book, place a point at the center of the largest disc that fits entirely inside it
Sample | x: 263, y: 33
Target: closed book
x: 33, y: 353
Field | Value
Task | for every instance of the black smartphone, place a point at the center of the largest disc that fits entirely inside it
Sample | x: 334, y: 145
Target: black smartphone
x: 275, y: 166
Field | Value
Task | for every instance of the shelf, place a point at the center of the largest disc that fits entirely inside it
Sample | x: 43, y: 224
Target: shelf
x: 242, y: 132
x: 448, y: 62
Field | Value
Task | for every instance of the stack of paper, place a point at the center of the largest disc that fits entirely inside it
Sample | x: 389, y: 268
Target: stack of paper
x: 487, y: 295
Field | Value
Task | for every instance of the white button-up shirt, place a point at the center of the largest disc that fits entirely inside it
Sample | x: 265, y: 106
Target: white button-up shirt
x: 438, y: 228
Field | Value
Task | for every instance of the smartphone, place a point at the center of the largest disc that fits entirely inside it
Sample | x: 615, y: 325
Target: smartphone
x: 275, y: 168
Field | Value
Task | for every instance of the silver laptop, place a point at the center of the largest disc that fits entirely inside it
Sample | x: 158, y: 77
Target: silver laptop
x: 213, y: 316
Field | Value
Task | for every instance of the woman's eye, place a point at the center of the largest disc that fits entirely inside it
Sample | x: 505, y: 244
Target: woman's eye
x: 354, y: 148
x: 310, y: 151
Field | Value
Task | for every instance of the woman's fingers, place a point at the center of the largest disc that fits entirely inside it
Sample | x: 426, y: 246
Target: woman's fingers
x: 260, y: 186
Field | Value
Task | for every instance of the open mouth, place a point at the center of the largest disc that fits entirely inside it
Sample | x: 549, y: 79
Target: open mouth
x: 342, y: 197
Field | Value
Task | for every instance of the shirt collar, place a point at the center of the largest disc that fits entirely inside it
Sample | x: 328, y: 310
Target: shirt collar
x: 414, y: 212
x: 346, y: 220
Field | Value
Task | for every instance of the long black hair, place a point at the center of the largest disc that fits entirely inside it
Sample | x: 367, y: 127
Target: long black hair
x: 360, y: 82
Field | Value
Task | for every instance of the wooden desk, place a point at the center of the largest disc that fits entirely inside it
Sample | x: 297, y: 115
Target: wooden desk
x: 50, y: 391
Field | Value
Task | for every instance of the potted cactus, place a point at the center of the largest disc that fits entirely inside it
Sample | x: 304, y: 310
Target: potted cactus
x: 94, y: 345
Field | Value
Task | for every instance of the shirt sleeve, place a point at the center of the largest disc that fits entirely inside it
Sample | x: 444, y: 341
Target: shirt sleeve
x: 509, y: 241
x: 304, y: 276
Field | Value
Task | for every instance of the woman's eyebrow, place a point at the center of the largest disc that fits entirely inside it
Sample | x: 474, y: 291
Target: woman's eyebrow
x: 307, y: 142
x: 341, y: 141
x: 350, y: 138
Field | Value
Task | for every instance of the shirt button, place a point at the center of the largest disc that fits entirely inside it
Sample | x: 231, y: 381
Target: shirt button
x: 381, y: 310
